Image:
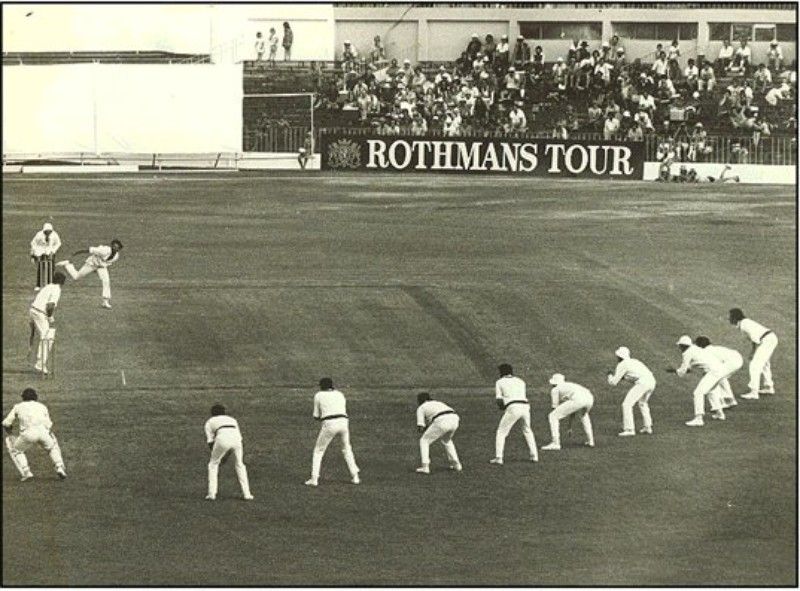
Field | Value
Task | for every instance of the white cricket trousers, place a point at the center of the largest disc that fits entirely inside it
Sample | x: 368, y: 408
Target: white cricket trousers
x: 331, y: 428
x: 226, y: 441
x: 46, y: 336
x: 728, y: 369
x: 36, y: 436
x: 707, y: 387
x: 639, y: 394
x: 513, y: 413
x: 580, y: 406
x: 442, y: 428
x: 88, y: 269
x: 759, y: 364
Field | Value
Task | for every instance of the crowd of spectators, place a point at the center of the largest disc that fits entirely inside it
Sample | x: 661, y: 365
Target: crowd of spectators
x: 499, y: 86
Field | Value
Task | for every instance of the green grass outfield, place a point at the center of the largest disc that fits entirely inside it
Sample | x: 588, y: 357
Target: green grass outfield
x: 246, y: 289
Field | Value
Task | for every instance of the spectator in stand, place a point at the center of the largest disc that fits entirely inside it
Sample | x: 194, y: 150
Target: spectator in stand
x: 691, y: 75
x: 724, y: 58
x: 610, y: 127
x: 660, y: 66
x: 698, y: 147
x: 615, y: 45
x: 742, y: 58
x: 778, y: 93
x: 644, y: 121
x: 288, y: 41
x: 273, y: 46
x: 673, y: 53
x: 418, y: 125
x: 739, y: 154
x: 775, y: 56
x: 513, y: 83
x: 489, y: 47
x: 517, y: 122
x: 474, y: 46
x: 707, y: 80
x: 763, y: 78
x: 620, y: 61
x: 635, y: 133
x: 604, y: 69
x: 261, y: 49
x: 538, y: 60
x: 521, y: 54
x: 378, y: 53
x: 349, y: 53
x: 560, y: 131
x: 502, y: 55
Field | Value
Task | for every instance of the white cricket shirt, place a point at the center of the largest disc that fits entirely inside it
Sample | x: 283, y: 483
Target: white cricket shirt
x: 509, y: 389
x: 329, y: 403
x: 221, y: 423
x: 632, y: 370
x: 99, y: 256
x: 49, y: 294
x: 569, y: 391
x: 30, y: 413
x: 427, y: 411
x: 752, y: 329
x: 41, y: 244
x: 694, y: 356
x: 725, y: 355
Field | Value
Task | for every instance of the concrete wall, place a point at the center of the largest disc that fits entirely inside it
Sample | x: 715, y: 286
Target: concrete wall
x: 439, y: 41
x: 399, y: 39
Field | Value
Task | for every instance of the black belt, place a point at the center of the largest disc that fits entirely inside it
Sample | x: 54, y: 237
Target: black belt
x: 763, y: 335
x: 444, y: 412
x: 329, y: 417
x: 517, y: 402
x: 45, y: 313
x: 224, y: 427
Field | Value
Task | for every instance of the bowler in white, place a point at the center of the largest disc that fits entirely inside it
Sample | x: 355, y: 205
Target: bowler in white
x: 99, y: 260
x: 223, y: 437
x: 437, y: 422
x: 569, y: 399
x: 644, y: 383
x: 511, y: 399
x: 693, y: 356
x: 34, y: 429
x: 330, y: 407
x: 764, y: 342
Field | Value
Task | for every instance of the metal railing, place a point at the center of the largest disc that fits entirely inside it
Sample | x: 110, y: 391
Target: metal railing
x: 274, y: 139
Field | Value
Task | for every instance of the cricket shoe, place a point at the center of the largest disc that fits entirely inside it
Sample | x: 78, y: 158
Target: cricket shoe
x: 63, y: 263
x: 695, y: 422
x: 211, y: 498
x: 424, y: 470
x: 729, y: 404
x: 456, y: 468
x: 61, y: 474
x: 41, y: 369
x: 750, y: 396
x: 27, y: 476
x: 37, y: 288
x: 355, y: 479
x: 589, y: 444
x: 767, y: 391
x: 106, y: 304
x: 311, y: 482
x: 534, y: 458
x: 626, y: 433
x: 718, y: 415
x: 646, y: 430
x: 248, y: 498
x: 497, y: 461
x: 552, y: 447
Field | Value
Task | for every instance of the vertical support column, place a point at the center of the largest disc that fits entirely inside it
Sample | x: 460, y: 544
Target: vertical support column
x: 607, y: 32
x: 422, y: 40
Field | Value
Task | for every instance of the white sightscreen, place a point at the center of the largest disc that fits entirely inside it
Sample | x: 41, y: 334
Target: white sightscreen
x: 122, y: 108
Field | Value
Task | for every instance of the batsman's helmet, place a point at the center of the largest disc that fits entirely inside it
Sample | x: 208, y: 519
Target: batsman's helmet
x: 217, y: 410
x: 29, y: 394
x: 423, y: 397
x: 326, y: 384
